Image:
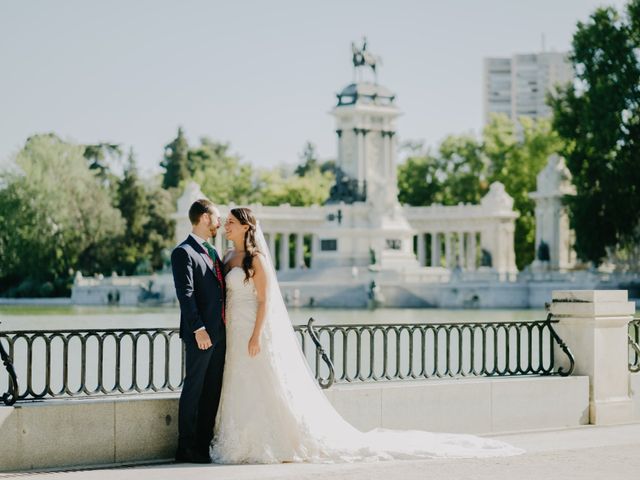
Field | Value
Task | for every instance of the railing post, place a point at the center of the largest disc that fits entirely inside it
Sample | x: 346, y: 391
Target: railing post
x: 594, y: 324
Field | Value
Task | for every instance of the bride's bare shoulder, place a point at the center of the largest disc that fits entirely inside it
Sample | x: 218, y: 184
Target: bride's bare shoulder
x: 259, y: 261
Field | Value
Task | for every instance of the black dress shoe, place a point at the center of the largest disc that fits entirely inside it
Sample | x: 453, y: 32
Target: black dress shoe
x: 187, y: 455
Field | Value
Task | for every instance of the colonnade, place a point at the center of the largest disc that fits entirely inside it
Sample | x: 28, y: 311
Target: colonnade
x: 449, y: 249
x: 285, y: 240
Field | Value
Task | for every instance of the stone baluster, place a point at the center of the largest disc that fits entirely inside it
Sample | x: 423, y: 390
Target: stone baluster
x: 284, y: 252
x: 462, y: 259
x: 471, y: 252
x: 435, y: 249
x: 299, y: 251
x: 447, y: 250
x: 421, y: 250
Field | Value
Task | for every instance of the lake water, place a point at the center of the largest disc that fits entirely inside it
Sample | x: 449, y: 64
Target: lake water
x: 22, y: 317
x: 110, y: 362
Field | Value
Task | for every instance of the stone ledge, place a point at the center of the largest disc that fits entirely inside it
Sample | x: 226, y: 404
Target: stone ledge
x: 64, y: 433
x: 589, y: 296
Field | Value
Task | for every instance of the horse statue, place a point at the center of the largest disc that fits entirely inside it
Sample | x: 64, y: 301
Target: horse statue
x: 363, y: 58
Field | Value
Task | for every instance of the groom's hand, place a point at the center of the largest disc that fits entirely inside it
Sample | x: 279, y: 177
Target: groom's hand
x: 203, y: 340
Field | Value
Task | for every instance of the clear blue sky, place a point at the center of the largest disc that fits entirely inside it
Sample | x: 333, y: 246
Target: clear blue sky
x: 261, y: 75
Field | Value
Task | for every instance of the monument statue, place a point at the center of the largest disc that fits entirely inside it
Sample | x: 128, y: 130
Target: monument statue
x: 363, y: 58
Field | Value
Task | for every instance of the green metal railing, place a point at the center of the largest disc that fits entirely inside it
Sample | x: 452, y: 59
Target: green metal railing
x: 86, y: 363
x: 371, y: 353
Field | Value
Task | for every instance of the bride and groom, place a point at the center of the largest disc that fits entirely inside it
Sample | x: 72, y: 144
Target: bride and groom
x: 267, y: 406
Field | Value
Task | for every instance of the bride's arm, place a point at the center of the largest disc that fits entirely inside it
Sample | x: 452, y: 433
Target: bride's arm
x: 260, y: 282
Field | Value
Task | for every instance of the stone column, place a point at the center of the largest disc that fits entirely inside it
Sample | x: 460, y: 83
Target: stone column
x: 299, y: 250
x: 284, y: 252
x: 461, y: 250
x: 471, y: 252
x: 594, y: 325
x: 447, y: 250
x: 421, y: 249
x: 386, y: 148
x: 435, y: 249
x: 314, y: 247
x: 358, y: 142
x: 364, y: 154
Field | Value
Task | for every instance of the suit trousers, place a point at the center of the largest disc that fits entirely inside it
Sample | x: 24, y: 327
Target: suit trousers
x: 200, y: 395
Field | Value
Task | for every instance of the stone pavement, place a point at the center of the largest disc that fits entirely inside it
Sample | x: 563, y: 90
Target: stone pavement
x: 589, y: 452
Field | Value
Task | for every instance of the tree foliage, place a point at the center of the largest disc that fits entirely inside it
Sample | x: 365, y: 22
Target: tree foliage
x: 463, y: 167
x: 223, y: 177
x: 53, y: 208
x: 516, y: 163
x: 598, y: 116
x: 175, y: 161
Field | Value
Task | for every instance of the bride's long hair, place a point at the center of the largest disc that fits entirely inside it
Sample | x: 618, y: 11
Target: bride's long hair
x: 246, y: 217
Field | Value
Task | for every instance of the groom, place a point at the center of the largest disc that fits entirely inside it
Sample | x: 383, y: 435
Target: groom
x: 197, y: 275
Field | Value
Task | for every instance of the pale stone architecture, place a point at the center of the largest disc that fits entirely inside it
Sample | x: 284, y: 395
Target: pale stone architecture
x: 363, y: 248
x: 552, y: 219
x: 375, y: 231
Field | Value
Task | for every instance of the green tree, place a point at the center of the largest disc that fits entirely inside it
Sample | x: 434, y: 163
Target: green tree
x: 133, y: 204
x: 176, y: 161
x: 53, y: 208
x: 598, y: 116
x: 160, y: 228
x: 516, y: 163
x: 277, y: 188
x: 456, y: 173
x: 221, y: 175
x: 309, y: 160
x: 463, y: 167
x: 417, y: 182
x: 100, y: 156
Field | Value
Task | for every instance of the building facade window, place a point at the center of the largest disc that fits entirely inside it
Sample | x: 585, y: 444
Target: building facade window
x: 329, y: 245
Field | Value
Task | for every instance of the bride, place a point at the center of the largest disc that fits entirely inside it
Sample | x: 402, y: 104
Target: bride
x: 271, y: 409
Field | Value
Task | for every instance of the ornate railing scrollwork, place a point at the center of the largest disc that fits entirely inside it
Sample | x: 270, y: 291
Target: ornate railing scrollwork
x: 10, y: 397
x: 563, y: 346
x: 98, y: 362
x: 320, y: 352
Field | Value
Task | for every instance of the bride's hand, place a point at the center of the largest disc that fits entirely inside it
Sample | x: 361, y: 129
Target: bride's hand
x: 254, y: 345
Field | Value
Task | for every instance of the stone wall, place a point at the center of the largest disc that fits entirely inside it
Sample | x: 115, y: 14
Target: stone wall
x: 65, y: 433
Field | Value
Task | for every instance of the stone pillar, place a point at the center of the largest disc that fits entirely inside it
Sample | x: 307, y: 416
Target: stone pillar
x: 435, y: 249
x: 299, y: 250
x: 365, y: 172
x: 461, y: 250
x: 447, y: 250
x: 471, y: 252
x: 386, y: 148
x: 360, y: 159
x: 314, y: 247
x: 284, y: 252
x: 421, y: 250
x: 594, y: 325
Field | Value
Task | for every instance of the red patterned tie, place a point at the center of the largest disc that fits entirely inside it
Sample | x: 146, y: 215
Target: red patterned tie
x: 216, y: 266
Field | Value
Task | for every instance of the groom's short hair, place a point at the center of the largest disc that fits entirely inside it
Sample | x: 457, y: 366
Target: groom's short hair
x: 199, y: 208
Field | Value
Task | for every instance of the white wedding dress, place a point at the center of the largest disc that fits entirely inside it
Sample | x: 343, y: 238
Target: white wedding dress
x: 272, y: 410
